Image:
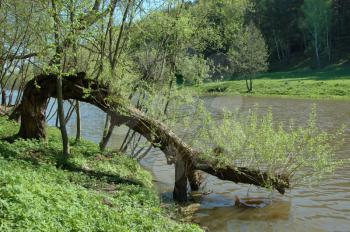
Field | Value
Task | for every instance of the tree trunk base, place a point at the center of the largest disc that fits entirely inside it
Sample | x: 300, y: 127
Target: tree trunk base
x: 180, y: 188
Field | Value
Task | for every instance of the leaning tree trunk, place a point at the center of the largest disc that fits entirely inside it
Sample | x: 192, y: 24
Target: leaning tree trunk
x: 32, y: 111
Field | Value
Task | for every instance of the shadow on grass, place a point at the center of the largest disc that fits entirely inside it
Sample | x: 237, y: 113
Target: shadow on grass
x: 40, y: 156
x: 103, y: 176
x: 333, y: 73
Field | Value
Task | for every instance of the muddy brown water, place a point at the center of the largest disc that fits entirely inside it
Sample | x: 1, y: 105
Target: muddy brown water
x: 324, y: 207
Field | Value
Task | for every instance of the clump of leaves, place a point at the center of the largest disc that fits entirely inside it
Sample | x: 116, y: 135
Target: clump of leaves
x: 302, y: 153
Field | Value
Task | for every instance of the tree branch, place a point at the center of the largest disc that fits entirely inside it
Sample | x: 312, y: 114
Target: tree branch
x: 156, y: 132
x: 22, y: 57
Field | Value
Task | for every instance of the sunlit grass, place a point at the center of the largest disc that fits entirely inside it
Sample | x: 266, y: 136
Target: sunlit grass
x: 333, y: 82
x: 99, y: 192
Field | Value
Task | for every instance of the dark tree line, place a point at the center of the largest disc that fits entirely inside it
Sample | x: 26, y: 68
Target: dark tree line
x: 281, y: 24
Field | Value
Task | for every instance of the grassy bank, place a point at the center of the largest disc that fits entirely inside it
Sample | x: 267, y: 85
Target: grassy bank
x: 331, y: 82
x: 98, y: 192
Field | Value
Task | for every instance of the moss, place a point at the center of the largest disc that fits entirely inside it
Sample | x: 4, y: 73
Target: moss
x: 97, y: 192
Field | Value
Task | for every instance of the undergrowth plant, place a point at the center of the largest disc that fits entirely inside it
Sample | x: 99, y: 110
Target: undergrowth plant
x: 99, y: 192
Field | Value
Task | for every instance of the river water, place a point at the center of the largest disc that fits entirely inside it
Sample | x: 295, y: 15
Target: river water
x: 324, y: 207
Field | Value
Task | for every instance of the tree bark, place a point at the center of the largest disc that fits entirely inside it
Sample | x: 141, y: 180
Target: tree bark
x: 107, y: 132
x: 60, y: 112
x: 180, y: 187
x: 78, y: 133
x: 249, y: 84
x: 3, y: 96
x: 107, y: 136
x: 33, y: 106
x: 195, y: 178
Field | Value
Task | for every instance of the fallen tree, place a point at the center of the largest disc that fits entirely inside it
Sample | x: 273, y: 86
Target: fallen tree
x: 187, y: 160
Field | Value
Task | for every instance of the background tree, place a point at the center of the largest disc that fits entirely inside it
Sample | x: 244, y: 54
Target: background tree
x: 248, y: 55
x: 217, y: 25
x: 278, y: 20
x: 317, y: 15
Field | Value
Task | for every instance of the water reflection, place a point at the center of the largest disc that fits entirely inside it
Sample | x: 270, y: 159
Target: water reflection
x: 222, y: 218
x: 305, y: 208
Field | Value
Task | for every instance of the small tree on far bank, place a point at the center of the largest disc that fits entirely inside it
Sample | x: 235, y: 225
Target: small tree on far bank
x: 249, y: 54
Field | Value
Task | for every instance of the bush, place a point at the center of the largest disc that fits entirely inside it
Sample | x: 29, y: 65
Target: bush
x: 256, y: 142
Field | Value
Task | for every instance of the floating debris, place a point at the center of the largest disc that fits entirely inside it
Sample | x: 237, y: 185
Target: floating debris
x: 252, y: 202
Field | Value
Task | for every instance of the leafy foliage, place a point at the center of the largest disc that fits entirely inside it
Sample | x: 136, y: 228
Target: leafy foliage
x: 256, y: 142
x: 36, y: 196
x: 249, y: 54
x: 194, y: 70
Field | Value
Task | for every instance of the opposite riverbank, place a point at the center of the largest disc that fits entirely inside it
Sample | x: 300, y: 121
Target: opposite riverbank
x: 330, y: 82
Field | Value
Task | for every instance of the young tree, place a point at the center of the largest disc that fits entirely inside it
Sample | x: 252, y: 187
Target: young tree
x: 248, y: 54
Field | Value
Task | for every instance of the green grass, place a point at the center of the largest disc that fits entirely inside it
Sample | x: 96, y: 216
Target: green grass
x: 98, y: 192
x: 331, y: 82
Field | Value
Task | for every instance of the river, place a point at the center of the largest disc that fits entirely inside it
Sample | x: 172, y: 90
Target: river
x: 323, y: 207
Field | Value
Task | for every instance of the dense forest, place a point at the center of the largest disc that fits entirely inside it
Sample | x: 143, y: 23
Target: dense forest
x: 298, y: 28
x: 142, y: 63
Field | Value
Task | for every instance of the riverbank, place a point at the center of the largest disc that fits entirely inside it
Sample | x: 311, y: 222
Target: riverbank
x: 332, y: 82
x: 97, y: 192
